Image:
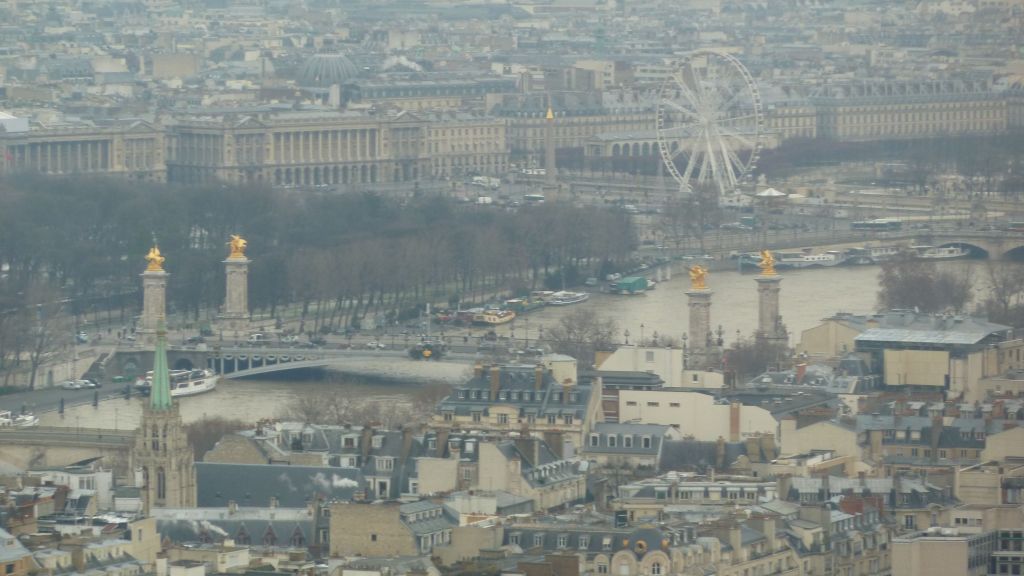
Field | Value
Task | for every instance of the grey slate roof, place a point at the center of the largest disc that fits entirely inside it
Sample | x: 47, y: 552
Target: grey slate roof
x: 272, y: 526
x: 10, y: 548
x: 256, y: 484
x: 637, y: 432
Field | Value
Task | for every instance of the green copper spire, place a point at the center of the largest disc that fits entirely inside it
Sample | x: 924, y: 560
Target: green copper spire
x: 160, y: 391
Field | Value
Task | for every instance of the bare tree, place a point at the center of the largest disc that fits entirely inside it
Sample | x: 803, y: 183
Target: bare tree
x: 581, y: 333
x: 1005, y: 302
x: 907, y: 282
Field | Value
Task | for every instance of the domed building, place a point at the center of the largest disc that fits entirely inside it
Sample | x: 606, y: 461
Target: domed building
x: 326, y: 70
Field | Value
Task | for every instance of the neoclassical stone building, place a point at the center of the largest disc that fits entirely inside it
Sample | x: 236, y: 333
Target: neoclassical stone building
x: 908, y: 109
x: 131, y: 148
x: 297, y: 147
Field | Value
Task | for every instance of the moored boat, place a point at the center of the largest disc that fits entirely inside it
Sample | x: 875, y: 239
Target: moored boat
x: 565, y: 298
x: 807, y: 260
x: 521, y: 305
x: 184, y: 382
x: 22, y: 420
x: 494, y: 317
x: 939, y: 253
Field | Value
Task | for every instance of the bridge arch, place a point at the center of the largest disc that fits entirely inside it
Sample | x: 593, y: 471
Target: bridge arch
x: 975, y: 250
x: 1016, y: 253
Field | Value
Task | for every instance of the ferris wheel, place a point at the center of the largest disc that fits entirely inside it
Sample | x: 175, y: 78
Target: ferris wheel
x: 710, y: 125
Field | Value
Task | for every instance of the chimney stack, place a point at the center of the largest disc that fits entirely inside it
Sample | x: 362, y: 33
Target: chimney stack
x: 478, y: 370
x: 538, y: 377
x: 495, y: 381
x: 364, y: 443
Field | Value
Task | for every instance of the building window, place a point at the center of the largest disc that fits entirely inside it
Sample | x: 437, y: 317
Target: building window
x: 476, y: 416
x: 653, y: 404
x: 531, y: 418
x: 584, y: 541
x: 602, y: 568
x: 646, y: 442
x: 551, y: 418
x: 656, y: 569
x: 908, y: 521
x: 595, y: 440
x: 538, y: 539
x: 630, y: 403
x: 627, y: 442
x: 612, y: 441
x: 502, y: 418
x: 649, y: 356
x: 563, y: 540
x: 513, y: 539
x: 673, y: 404
x: 373, y: 537
x: 385, y: 463
x: 567, y: 420
x: 467, y: 473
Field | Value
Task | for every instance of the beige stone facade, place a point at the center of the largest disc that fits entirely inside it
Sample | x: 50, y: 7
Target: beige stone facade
x: 548, y: 485
x: 463, y: 144
x: 135, y: 150
x: 695, y: 414
x: 369, y: 530
x: 296, y: 148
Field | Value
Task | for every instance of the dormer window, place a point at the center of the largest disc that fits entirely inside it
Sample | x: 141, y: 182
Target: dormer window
x: 377, y: 441
x: 645, y: 442
x: 627, y: 442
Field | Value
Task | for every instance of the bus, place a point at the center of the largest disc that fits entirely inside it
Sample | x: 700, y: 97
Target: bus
x: 878, y: 225
x: 533, y: 198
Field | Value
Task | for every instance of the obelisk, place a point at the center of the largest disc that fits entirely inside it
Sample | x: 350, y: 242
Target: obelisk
x: 769, y: 322
x: 700, y: 317
x: 235, y: 315
x: 154, y: 296
x: 550, y: 186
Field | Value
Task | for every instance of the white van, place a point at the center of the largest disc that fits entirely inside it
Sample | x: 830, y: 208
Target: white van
x: 258, y: 338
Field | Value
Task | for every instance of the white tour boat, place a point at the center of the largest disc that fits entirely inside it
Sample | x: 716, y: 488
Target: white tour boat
x: 184, y: 382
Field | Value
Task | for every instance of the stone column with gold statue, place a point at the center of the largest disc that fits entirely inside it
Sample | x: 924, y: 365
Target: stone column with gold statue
x: 235, y: 315
x: 769, y: 321
x: 154, y: 297
x: 699, y: 336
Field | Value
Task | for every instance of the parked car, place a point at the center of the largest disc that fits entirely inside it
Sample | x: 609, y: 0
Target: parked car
x: 86, y: 383
x: 374, y: 345
x: 195, y: 340
x: 71, y: 385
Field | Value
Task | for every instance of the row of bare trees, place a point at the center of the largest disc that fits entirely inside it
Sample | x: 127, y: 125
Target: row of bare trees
x: 74, y: 247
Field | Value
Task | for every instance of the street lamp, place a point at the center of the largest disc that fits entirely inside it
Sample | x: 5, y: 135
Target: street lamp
x: 641, y: 334
x: 527, y: 344
x: 684, y: 351
x: 626, y: 334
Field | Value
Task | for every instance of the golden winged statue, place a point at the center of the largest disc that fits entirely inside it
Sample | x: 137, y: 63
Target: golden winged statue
x: 156, y: 261
x: 698, y: 274
x: 237, y: 245
x: 767, y: 263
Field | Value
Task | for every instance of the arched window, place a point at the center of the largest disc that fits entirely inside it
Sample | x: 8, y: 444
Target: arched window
x: 269, y: 537
x: 155, y: 442
x: 656, y: 569
x: 242, y: 537
x: 161, y: 484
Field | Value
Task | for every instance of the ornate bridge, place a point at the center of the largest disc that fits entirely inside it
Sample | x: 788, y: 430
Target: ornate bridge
x: 234, y: 363
x: 992, y: 244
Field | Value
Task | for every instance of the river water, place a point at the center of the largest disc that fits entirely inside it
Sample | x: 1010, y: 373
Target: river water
x: 806, y: 297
